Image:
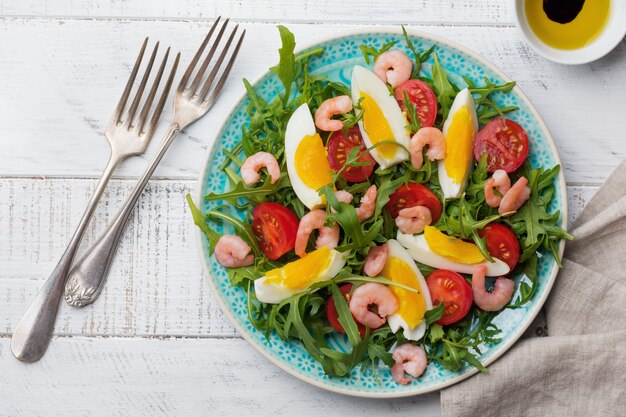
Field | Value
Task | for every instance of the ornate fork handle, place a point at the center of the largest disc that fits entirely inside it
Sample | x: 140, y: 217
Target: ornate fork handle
x: 32, y: 334
x: 87, y: 278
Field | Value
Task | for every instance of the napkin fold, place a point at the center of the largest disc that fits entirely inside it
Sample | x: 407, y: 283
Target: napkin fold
x: 579, y: 367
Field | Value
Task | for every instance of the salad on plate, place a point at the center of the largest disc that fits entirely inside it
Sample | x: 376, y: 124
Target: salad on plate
x: 395, y: 210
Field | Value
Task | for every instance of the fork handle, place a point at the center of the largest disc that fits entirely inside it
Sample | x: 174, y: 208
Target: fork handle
x: 33, y: 332
x: 86, y: 280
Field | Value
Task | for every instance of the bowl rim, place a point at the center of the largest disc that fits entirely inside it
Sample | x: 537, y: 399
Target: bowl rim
x: 573, y: 56
x: 531, y: 314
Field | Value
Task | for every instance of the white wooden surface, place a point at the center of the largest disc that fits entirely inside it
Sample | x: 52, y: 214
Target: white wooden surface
x: 156, y: 343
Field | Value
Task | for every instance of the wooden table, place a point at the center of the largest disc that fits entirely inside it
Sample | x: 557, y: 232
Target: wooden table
x: 156, y: 343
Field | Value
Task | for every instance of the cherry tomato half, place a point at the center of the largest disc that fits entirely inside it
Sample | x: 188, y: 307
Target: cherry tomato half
x: 275, y: 226
x: 414, y: 194
x: 453, y: 291
x: 340, y: 145
x: 501, y: 243
x: 333, y: 316
x: 421, y: 97
x: 505, y: 143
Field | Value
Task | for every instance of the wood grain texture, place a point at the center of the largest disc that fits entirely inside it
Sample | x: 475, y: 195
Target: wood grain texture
x: 156, y: 343
x: 71, y: 73
x: 155, y: 287
x: 113, y: 377
x: 492, y: 12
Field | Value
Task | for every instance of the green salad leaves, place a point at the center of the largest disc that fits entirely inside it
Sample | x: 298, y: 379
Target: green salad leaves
x: 302, y: 317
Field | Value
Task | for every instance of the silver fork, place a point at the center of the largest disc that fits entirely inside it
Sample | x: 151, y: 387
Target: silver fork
x: 193, y: 100
x: 127, y: 136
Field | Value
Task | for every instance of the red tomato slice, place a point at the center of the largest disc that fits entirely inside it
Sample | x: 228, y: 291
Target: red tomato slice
x: 501, y: 243
x: 505, y: 143
x: 275, y: 226
x: 453, y: 291
x: 340, y: 145
x: 423, y: 99
x: 411, y: 195
x: 333, y: 316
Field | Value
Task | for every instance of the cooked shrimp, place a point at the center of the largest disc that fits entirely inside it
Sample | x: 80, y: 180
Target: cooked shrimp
x: 314, y: 219
x: 330, y: 108
x: 414, y: 219
x: 368, y: 204
x: 253, y: 164
x: 410, y: 359
x: 515, y: 197
x: 344, y: 196
x: 373, y: 294
x: 233, y: 252
x: 436, y: 142
x: 393, y: 67
x: 501, y: 182
x: 376, y: 260
x: 498, y: 297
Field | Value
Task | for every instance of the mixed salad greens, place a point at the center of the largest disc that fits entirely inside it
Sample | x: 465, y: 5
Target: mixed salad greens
x: 323, y: 308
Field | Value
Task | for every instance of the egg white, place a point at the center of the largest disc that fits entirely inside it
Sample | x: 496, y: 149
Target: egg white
x: 364, y: 80
x: 300, y: 124
x: 273, y: 293
x: 396, y: 322
x: 449, y: 187
x: 419, y: 250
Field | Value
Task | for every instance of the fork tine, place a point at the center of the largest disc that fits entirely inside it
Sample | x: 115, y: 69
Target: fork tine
x: 164, y: 94
x: 155, y: 85
x: 218, y: 63
x: 142, y: 85
x: 129, y: 84
x: 194, y: 61
x: 220, y: 83
x: 207, y: 60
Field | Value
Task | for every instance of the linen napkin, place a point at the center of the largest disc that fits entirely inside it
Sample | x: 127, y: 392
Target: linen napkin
x: 579, y: 367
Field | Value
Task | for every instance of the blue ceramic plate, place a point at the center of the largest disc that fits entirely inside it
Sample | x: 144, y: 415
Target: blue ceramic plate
x: 341, y: 54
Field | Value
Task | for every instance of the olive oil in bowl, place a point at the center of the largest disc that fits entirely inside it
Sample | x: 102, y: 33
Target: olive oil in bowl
x: 567, y: 24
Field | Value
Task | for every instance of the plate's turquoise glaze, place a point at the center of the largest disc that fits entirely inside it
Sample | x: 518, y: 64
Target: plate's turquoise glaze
x: 341, y: 54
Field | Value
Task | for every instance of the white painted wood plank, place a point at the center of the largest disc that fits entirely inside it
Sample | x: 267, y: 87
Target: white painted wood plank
x: 155, y: 286
x: 71, y: 72
x: 112, y: 377
x: 493, y: 12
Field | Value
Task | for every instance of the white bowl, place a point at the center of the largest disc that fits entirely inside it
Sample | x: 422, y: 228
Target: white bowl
x: 610, y: 37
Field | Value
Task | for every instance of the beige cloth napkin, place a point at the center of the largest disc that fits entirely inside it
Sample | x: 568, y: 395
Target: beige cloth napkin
x: 579, y: 368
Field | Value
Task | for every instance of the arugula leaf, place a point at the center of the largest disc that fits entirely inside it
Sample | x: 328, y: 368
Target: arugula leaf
x: 444, y: 90
x: 486, y: 107
x: 345, y: 316
x: 532, y: 223
x: 414, y: 121
x: 200, y: 221
x: 434, y: 314
x: 370, y: 53
x: 285, y: 68
x: 418, y: 56
x: 256, y: 195
x: 243, y: 230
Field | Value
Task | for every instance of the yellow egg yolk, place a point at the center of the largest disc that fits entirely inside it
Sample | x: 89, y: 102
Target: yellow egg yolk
x: 411, y: 305
x: 311, y: 162
x: 452, y: 248
x: 300, y: 274
x: 377, y: 126
x: 459, y: 142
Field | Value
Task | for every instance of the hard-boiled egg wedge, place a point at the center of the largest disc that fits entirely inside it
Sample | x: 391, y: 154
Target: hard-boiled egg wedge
x: 278, y: 284
x: 307, y: 162
x: 436, y: 249
x: 459, y: 130
x: 412, y: 306
x: 382, y: 118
